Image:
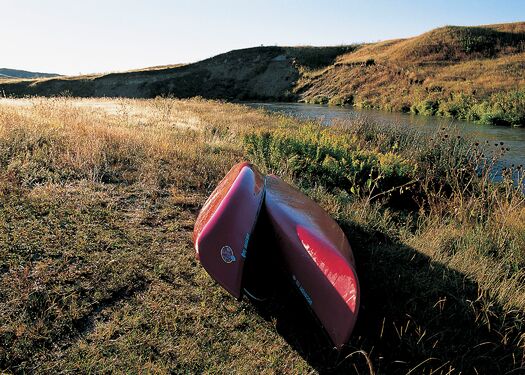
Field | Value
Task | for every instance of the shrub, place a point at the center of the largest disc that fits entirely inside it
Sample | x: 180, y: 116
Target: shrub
x: 459, y: 105
x: 510, y: 106
x: 341, y: 100
x: 321, y: 99
x: 501, y: 108
x: 336, y: 161
x: 426, y: 108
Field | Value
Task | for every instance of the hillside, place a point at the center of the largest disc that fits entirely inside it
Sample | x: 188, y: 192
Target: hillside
x: 265, y: 73
x: 14, y: 73
x: 472, y: 73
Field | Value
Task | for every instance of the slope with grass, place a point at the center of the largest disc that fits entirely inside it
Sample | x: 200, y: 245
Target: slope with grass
x: 262, y: 73
x: 471, y: 73
x: 14, y: 73
x: 98, y: 274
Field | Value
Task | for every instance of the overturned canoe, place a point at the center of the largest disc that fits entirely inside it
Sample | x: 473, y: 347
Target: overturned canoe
x: 317, y: 255
x: 250, y: 222
x: 225, y: 224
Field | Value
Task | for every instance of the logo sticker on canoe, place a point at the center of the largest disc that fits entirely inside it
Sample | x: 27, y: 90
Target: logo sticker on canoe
x: 245, y: 248
x: 227, y: 254
x: 301, y: 289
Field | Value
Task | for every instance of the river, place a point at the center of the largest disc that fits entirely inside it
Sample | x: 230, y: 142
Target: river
x: 513, y: 138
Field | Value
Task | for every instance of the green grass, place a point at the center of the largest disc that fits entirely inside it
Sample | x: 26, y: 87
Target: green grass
x: 98, y: 273
x: 502, y: 108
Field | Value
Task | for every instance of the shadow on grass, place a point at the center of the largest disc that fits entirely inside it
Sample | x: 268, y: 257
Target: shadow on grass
x: 416, y: 314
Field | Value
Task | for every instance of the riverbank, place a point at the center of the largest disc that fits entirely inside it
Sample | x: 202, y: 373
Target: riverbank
x: 486, y: 135
x: 505, y: 108
x: 468, y: 73
x: 98, y: 200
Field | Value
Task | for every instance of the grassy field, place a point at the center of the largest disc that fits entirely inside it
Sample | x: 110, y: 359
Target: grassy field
x: 98, y: 274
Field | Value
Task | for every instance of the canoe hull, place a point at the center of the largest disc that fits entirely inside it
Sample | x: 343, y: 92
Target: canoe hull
x: 252, y: 224
x: 225, y: 223
x: 317, y: 255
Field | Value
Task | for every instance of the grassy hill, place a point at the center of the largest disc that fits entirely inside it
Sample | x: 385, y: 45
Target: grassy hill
x: 471, y: 73
x: 98, y: 273
x: 13, y: 73
x: 262, y: 73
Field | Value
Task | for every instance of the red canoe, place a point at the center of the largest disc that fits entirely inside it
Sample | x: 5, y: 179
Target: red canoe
x: 225, y: 224
x: 313, y: 248
x: 317, y: 255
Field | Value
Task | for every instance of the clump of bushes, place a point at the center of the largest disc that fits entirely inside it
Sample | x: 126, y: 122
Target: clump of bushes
x: 505, y: 108
x: 426, y: 107
x: 342, y: 100
x: 502, y: 108
x: 321, y: 157
x: 320, y: 99
x: 398, y: 167
x: 458, y: 106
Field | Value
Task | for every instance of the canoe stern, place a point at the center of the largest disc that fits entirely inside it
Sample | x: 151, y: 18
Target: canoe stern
x: 225, y: 223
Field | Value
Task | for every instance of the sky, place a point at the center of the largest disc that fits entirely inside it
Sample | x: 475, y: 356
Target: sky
x: 72, y: 37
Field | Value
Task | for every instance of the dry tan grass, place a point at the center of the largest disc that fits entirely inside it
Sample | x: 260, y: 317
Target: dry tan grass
x: 403, y: 74
x: 97, y: 270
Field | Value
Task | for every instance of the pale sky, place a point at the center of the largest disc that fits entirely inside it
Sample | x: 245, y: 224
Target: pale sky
x: 72, y: 37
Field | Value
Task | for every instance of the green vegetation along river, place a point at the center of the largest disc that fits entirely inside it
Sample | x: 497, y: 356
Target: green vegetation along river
x: 491, y: 136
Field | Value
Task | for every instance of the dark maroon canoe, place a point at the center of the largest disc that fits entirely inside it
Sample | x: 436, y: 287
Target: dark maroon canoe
x: 225, y: 224
x: 317, y: 255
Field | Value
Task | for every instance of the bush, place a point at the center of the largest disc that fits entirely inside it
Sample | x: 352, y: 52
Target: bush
x: 509, y: 107
x: 459, y: 105
x: 321, y: 99
x: 426, y: 108
x: 336, y: 161
x: 342, y: 100
x: 502, y: 108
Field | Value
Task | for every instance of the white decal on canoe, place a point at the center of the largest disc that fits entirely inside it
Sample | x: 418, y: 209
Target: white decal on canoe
x: 245, y: 248
x: 303, y: 292
x: 227, y: 254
